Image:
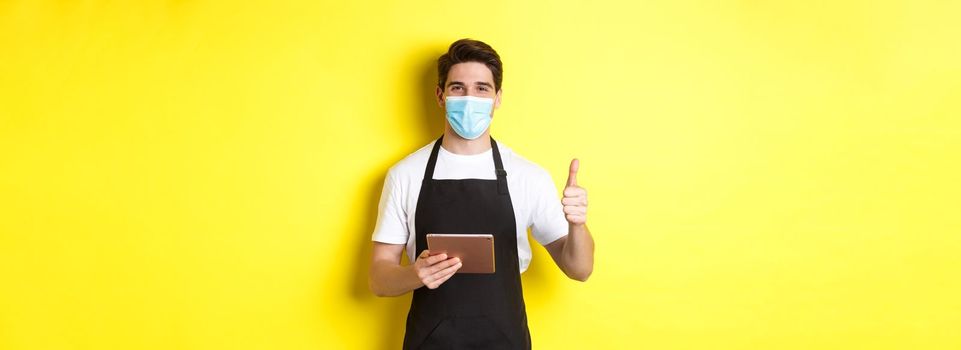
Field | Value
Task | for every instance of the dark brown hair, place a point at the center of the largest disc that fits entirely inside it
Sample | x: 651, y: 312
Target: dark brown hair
x: 469, y: 50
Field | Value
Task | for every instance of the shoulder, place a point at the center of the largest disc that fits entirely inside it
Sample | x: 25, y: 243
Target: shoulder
x: 412, y: 166
x: 522, y: 169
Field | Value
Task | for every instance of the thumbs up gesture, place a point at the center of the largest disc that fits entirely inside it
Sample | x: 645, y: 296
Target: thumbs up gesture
x: 575, y: 198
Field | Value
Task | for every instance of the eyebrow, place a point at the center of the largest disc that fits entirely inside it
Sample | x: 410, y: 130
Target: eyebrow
x: 482, y: 83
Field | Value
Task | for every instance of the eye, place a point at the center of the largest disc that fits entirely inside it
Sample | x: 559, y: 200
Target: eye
x: 455, y: 88
x: 483, y: 88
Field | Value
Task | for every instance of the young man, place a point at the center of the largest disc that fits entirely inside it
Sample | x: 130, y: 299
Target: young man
x: 465, y: 182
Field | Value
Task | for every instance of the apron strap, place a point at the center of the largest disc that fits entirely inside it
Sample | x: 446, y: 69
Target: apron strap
x: 431, y: 162
x: 498, y: 166
x: 499, y: 169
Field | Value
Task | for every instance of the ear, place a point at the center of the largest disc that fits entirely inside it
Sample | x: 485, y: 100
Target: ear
x: 440, y: 96
x: 497, y: 99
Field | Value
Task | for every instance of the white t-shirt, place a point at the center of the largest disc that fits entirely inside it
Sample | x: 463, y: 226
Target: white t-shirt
x: 535, y: 200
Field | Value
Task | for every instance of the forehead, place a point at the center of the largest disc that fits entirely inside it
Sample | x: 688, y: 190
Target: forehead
x: 469, y: 73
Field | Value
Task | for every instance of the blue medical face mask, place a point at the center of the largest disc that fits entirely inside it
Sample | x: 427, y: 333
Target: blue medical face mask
x: 469, y: 116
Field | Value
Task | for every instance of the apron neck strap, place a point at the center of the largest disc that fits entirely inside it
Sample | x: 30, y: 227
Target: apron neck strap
x: 432, y: 161
x: 499, y: 169
x: 498, y: 165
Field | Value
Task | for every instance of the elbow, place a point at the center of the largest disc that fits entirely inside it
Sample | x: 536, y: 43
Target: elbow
x: 380, y: 290
x: 580, y: 275
x: 378, y: 293
x: 375, y: 288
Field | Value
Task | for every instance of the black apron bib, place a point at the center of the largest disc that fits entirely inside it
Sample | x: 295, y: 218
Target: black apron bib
x: 469, y: 311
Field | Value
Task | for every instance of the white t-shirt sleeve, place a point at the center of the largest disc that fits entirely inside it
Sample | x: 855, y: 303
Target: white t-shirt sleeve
x: 547, y: 215
x: 391, y: 214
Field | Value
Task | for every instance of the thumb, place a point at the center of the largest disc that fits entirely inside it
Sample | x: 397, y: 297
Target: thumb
x: 572, y: 175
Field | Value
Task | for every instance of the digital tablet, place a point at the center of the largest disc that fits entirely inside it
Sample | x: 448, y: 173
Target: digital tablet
x: 476, y: 251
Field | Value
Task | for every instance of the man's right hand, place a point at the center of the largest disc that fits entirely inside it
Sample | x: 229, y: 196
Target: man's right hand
x: 433, y: 270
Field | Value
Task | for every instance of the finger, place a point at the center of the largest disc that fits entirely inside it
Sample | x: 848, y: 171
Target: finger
x: 433, y: 259
x: 582, y: 201
x: 441, y: 280
x: 427, y: 273
x: 443, y: 264
x: 572, y: 174
x: 575, y: 191
x: 424, y: 254
x: 575, y: 210
x: 446, y: 272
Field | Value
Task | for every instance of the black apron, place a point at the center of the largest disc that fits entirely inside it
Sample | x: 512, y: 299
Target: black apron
x: 469, y: 311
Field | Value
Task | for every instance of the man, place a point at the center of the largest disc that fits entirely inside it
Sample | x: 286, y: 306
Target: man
x: 465, y: 182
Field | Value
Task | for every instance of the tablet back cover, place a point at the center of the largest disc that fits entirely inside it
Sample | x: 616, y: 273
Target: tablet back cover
x: 476, y: 251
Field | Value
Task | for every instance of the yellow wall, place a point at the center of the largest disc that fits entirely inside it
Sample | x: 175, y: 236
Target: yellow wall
x: 204, y: 174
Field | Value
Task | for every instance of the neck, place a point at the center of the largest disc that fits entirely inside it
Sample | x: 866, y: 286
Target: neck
x: 453, y: 143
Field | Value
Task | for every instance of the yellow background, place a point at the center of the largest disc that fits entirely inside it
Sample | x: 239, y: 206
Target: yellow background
x: 205, y: 174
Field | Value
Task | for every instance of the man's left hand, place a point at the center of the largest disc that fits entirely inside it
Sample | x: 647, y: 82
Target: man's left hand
x: 575, y: 198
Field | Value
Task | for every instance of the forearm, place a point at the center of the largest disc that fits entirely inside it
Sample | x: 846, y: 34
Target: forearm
x: 579, y: 252
x: 388, y: 279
